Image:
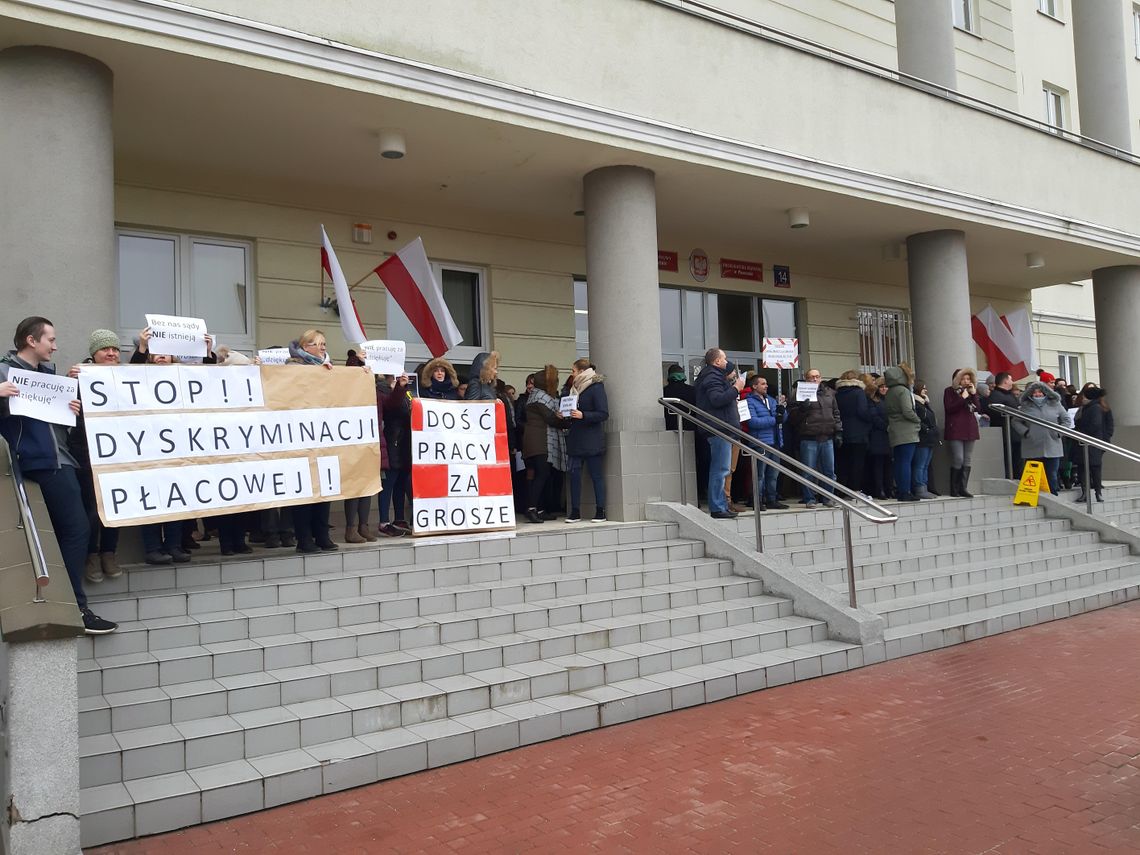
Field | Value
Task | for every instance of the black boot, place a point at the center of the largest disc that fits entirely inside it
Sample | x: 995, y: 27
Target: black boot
x: 963, y: 480
x: 956, y: 483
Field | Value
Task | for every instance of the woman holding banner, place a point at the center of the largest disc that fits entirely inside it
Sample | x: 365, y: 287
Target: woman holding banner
x: 586, y: 439
x: 311, y: 522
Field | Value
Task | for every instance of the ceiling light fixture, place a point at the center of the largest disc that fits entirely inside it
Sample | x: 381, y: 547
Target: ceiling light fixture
x: 1034, y: 259
x: 392, y: 144
x: 798, y: 218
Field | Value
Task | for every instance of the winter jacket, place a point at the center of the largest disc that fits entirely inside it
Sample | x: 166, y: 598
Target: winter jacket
x: 879, y: 441
x: 383, y: 390
x: 1038, y: 441
x: 716, y: 396
x: 928, y: 430
x: 397, y: 410
x: 903, y: 422
x: 587, y: 436
x: 683, y: 391
x: 767, y: 418
x: 818, y: 419
x: 448, y: 390
x: 36, y: 445
x: 1095, y: 422
x: 541, y: 419
x: 854, y: 411
x: 960, y: 421
x: 481, y: 381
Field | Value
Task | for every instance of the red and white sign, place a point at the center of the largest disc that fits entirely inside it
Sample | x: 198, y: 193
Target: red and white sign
x: 461, y: 467
x: 666, y: 260
x: 734, y: 268
x: 699, y: 265
x: 780, y: 353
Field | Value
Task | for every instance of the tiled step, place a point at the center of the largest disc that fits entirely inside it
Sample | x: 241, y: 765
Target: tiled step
x: 169, y: 702
x: 955, y: 575
x: 970, y: 598
x: 167, y: 801
x: 164, y: 748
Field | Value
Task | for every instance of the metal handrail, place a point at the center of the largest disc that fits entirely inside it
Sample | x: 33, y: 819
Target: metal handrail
x: 1084, y: 439
x: 785, y: 464
x: 28, y: 524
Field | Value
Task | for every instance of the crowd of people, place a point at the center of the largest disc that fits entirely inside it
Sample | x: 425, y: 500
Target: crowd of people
x: 549, y: 444
x: 877, y: 434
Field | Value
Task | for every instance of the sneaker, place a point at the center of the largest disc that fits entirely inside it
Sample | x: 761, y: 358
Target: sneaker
x: 95, y: 625
x: 389, y: 530
x: 828, y: 503
x: 723, y: 515
x: 777, y: 506
x: 532, y: 516
x: 599, y: 516
x: 158, y: 558
x: 811, y: 506
x: 402, y: 524
x: 93, y: 571
x: 327, y: 546
x: 180, y: 556
x: 574, y: 516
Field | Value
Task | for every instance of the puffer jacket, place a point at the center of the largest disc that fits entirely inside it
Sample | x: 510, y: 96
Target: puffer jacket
x: 481, y: 380
x: 716, y: 396
x: 903, y: 422
x: 448, y: 390
x: 767, y: 418
x: 818, y: 419
x: 854, y: 411
x: 960, y: 421
x: 1038, y: 441
x: 928, y: 432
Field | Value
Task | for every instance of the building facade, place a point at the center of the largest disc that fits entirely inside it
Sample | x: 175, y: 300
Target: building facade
x: 636, y: 180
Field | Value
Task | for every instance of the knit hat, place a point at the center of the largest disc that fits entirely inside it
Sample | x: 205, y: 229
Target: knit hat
x: 101, y: 339
x: 1046, y: 377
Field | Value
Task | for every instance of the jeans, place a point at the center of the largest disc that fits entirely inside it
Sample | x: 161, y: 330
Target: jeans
x: 594, y: 464
x: 818, y: 454
x: 162, y: 537
x: 720, y: 464
x: 1052, y: 472
x: 767, y: 476
x: 64, y: 501
x: 903, y: 456
x: 920, y: 469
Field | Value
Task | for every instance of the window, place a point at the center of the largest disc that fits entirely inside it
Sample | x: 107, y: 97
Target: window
x: 463, y: 293
x: 1136, y: 30
x: 1055, y: 103
x: 966, y: 15
x: 189, y: 275
x: 884, y: 339
x: 1069, y: 367
x: 581, y: 320
x: 1052, y: 8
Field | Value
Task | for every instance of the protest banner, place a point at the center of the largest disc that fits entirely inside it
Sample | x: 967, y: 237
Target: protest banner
x: 177, y: 441
x: 566, y: 405
x: 806, y: 391
x: 46, y: 397
x: 384, y: 357
x: 171, y: 335
x: 273, y: 355
x: 780, y: 353
x: 461, y: 467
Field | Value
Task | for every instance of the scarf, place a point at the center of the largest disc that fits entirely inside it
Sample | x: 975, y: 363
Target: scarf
x: 584, y: 380
x: 303, y: 356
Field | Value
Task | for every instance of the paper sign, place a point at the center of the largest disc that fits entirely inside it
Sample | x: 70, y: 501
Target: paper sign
x: 1032, y: 477
x: 807, y: 391
x: 780, y: 353
x: 43, y: 396
x: 567, y: 404
x: 174, y: 336
x: 131, y: 388
x: 385, y: 357
x: 1073, y: 416
x: 743, y: 411
x: 274, y: 355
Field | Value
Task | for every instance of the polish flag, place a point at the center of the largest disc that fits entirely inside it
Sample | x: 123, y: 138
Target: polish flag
x: 408, y: 278
x: 349, y: 317
x: 1005, y: 350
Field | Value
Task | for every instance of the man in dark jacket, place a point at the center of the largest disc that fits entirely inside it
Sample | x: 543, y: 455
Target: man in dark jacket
x: 676, y: 387
x: 820, y: 429
x: 717, y: 397
x: 41, y: 453
x: 1003, y: 394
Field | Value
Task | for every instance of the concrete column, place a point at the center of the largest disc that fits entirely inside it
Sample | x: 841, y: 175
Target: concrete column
x: 57, y: 250
x: 924, y: 38
x: 1099, y: 44
x: 625, y: 336
x: 1116, y: 298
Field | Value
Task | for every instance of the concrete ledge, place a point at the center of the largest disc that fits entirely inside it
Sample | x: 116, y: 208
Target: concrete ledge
x: 1059, y: 508
x: 809, y: 597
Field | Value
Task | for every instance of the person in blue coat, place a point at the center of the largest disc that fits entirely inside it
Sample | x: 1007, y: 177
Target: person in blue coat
x: 586, y: 438
x: 766, y: 423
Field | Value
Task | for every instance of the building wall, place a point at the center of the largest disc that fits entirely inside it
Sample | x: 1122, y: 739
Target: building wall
x: 1064, y: 321
x: 1044, y: 50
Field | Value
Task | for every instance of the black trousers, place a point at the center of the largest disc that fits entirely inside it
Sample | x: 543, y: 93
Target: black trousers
x: 311, y: 523
x: 537, y: 471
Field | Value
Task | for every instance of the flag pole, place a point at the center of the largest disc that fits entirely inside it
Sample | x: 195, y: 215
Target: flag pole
x: 360, y: 281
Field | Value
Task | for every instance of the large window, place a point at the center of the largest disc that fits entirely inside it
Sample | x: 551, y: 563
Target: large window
x: 884, y: 339
x: 189, y: 275
x: 1069, y: 367
x: 1055, y: 104
x: 965, y: 15
x: 581, y: 320
x: 463, y: 292
x: 1136, y: 30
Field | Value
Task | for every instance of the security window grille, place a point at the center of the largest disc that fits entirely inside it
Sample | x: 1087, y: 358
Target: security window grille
x: 884, y: 339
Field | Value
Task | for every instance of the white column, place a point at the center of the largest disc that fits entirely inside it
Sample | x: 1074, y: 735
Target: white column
x: 1116, y: 298
x: 625, y: 336
x: 1099, y: 44
x: 57, y: 250
x: 924, y: 37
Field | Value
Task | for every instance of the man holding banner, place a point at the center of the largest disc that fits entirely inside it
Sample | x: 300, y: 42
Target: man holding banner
x: 39, y: 447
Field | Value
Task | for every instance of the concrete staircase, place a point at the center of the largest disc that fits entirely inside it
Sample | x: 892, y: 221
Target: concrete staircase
x: 238, y: 685
x: 1121, y: 506
x: 953, y: 570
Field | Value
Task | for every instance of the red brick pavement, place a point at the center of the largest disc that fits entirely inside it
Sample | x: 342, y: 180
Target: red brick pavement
x: 1026, y: 742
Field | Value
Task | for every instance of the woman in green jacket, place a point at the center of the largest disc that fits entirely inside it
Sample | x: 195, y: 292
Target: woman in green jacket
x: 903, y: 424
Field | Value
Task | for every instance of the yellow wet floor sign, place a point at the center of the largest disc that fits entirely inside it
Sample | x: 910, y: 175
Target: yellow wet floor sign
x: 1031, y: 479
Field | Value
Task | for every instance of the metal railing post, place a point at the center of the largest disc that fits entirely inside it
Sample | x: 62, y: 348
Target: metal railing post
x: 1087, y: 479
x: 756, y: 501
x: 850, y: 558
x: 1011, y: 475
x: 681, y: 459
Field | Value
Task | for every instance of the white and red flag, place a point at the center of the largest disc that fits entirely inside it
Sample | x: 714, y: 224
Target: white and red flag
x: 407, y: 276
x: 349, y: 317
x: 1007, y: 341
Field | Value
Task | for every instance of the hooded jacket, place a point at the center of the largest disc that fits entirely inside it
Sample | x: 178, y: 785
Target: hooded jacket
x: 36, y: 445
x: 903, y: 422
x: 448, y: 390
x: 1095, y: 421
x: 928, y: 431
x: 716, y: 396
x: 854, y: 411
x: 586, y: 436
x: 960, y: 421
x: 1038, y: 441
x: 481, y: 380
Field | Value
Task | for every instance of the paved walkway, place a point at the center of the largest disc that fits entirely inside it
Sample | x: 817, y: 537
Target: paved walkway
x: 1025, y: 742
